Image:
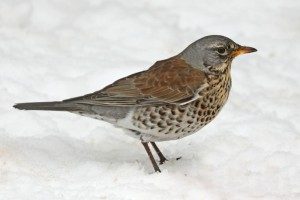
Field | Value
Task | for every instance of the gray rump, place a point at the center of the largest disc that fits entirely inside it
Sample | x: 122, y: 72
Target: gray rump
x: 109, y: 114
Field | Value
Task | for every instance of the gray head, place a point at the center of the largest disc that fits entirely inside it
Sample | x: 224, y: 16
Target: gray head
x: 213, y: 54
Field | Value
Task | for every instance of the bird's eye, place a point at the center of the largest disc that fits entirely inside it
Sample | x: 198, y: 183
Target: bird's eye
x: 221, y: 50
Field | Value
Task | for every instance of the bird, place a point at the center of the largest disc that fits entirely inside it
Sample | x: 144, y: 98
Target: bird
x: 172, y: 99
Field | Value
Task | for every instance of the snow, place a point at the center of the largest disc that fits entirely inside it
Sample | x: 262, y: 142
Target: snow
x: 52, y: 50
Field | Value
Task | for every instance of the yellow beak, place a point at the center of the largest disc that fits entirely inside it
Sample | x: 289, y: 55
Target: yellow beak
x: 242, y: 50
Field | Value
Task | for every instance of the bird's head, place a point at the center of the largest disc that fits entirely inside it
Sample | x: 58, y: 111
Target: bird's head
x: 213, y: 54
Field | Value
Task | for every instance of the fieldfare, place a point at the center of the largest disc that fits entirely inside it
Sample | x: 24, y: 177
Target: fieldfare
x: 172, y: 99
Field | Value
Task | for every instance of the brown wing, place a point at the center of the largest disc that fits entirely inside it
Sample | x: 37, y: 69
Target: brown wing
x: 170, y: 81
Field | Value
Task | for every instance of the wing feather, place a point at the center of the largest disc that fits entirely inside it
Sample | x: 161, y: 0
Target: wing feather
x: 170, y: 81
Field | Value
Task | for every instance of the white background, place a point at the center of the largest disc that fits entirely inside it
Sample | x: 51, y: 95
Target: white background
x: 56, y: 49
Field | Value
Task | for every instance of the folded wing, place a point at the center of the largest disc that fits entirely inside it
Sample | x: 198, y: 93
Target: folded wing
x: 170, y: 81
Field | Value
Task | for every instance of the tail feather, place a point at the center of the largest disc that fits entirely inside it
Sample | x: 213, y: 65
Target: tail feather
x: 52, y: 106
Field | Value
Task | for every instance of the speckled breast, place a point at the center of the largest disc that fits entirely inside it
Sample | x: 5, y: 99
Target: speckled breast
x: 169, y: 122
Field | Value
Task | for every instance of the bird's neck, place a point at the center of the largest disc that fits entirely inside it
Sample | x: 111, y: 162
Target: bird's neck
x: 193, y: 58
x: 215, y: 77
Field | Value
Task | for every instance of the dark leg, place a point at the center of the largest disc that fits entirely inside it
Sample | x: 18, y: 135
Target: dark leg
x: 155, y: 166
x: 162, y: 158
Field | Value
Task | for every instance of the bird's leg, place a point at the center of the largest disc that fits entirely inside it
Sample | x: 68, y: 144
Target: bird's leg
x: 161, y: 156
x: 155, y: 166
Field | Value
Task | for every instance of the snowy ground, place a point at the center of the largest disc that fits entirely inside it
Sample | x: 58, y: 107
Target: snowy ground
x: 54, y: 49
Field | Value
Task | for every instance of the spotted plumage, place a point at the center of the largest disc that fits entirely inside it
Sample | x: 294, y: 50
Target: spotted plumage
x: 171, y: 121
x: 172, y: 99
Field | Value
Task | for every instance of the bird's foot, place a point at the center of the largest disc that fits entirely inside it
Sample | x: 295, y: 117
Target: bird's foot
x: 162, y: 160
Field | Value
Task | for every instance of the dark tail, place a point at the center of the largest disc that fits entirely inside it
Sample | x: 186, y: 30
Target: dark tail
x: 53, y: 106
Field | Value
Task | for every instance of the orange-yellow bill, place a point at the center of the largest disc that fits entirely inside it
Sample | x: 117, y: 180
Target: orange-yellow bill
x: 242, y: 50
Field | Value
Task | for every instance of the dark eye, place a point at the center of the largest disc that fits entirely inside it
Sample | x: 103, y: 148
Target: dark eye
x: 221, y: 50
